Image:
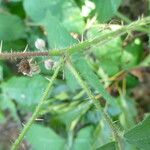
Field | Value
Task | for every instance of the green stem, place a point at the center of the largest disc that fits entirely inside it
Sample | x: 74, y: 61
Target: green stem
x: 123, y: 17
x: 83, y: 84
x: 127, y: 20
x: 18, y: 141
x: 149, y: 27
x: 102, y: 38
x: 86, y: 44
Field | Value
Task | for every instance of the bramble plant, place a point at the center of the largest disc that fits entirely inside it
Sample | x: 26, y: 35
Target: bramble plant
x: 74, y: 91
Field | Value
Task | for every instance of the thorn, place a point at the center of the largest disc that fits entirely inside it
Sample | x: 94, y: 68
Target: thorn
x: 47, y: 79
x: 31, y: 60
x: 63, y: 77
x: 39, y: 119
x: 25, y: 48
x: 23, y: 124
x: 11, y: 52
x: 11, y: 141
x: 1, y: 45
x: 82, y: 37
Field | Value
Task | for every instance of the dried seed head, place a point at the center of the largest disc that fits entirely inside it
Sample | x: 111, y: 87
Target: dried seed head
x: 49, y: 64
x: 24, y: 66
x: 27, y: 67
x: 40, y: 44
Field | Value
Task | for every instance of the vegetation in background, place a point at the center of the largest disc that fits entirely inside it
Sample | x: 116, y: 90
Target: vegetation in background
x: 74, y: 74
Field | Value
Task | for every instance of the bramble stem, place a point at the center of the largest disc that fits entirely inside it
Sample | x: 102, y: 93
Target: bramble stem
x: 22, y: 54
x: 37, y: 110
x: 96, y: 103
x: 82, y: 45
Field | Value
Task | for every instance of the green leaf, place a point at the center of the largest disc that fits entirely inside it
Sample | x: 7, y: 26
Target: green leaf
x: 84, y: 139
x: 15, y: 0
x: 146, y: 61
x: 73, y: 113
x: 102, y: 133
x: 106, y: 9
x: 7, y: 104
x: 86, y: 72
x: 71, y: 81
x: 108, y: 146
x: 108, y: 53
x: 132, y: 54
x: 58, y: 36
x: 93, y: 116
x: 11, y: 27
x: 65, y: 11
x: 140, y: 134
x: 111, y: 56
x: 44, y: 138
x: 1, y: 73
x: 17, y: 45
x: 2, y: 118
x: 24, y: 90
x: 36, y: 9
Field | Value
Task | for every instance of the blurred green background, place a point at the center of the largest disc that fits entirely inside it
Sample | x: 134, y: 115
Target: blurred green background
x: 68, y: 120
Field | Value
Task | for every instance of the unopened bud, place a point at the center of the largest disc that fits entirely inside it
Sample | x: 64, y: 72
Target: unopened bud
x: 40, y: 44
x: 49, y: 64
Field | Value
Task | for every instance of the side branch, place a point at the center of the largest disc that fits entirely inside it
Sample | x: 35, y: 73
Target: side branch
x: 22, y: 55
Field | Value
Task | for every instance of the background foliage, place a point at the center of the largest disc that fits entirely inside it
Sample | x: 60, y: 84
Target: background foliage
x: 115, y: 71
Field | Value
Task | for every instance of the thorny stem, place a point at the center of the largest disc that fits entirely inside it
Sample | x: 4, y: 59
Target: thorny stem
x: 18, y: 141
x: 81, y: 46
x: 107, y: 118
x: 127, y: 20
x: 22, y: 55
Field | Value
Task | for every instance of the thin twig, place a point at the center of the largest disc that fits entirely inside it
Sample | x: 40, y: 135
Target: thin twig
x: 82, y: 45
x: 22, y: 54
x: 37, y: 110
x: 97, y: 105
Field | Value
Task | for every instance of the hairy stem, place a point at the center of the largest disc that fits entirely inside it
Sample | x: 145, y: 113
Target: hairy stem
x: 107, y: 118
x: 83, y: 45
x: 18, y: 141
x: 22, y: 55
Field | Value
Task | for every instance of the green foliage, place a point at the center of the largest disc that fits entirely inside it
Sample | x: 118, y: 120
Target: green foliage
x: 84, y: 139
x: 87, y: 73
x: 71, y: 81
x: 85, y: 101
x: 105, y: 9
x: 24, y: 90
x: 139, y: 135
x: 49, y: 140
x: 73, y: 113
x: 65, y: 11
x: 12, y: 27
x: 109, y: 146
x: 53, y: 27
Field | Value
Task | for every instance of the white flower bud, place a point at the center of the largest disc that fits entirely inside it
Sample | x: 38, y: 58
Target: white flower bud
x: 90, y: 5
x: 87, y: 8
x: 40, y: 44
x: 49, y: 64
